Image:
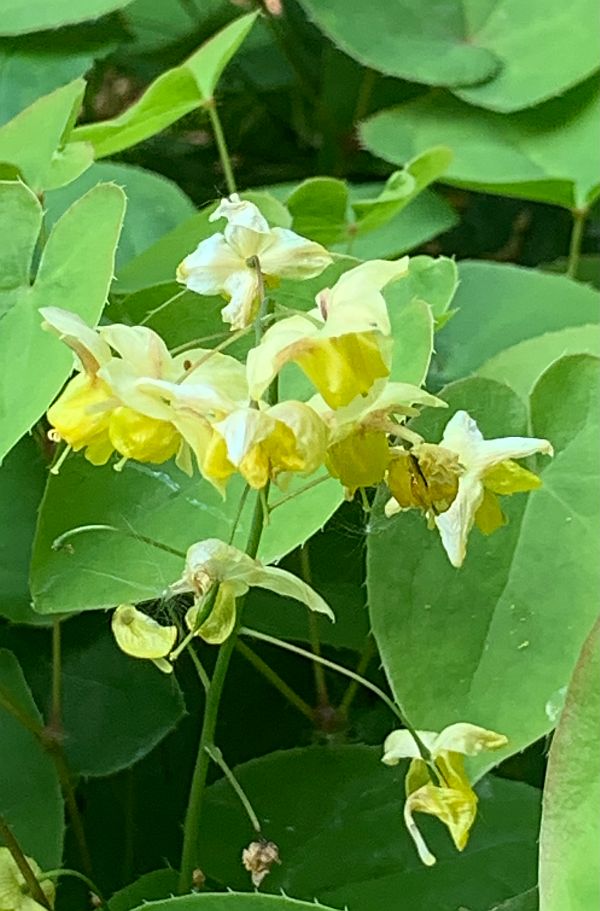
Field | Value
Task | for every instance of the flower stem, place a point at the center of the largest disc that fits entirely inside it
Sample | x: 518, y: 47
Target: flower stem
x: 191, y: 825
x: 296, y: 493
x: 263, y: 637
x: 275, y: 680
x: 313, y: 632
x: 55, y: 874
x: 217, y: 757
x: 364, y: 661
x: 579, y: 217
x: 60, y: 542
x: 157, y: 310
x: 22, y: 863
x: 221, y: 146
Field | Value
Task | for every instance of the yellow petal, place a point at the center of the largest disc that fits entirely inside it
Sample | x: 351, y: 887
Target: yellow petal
x: 509, y: 477
x: 343, y: 367
x: 360, y: 459
x: 13, y: 889
x: 489, y: 516
x: 75, y: 413
x: 139, y: 437
x: 139, y: 635
x: 221, y: 621
x: 469, y: 739
x: 456, y: 809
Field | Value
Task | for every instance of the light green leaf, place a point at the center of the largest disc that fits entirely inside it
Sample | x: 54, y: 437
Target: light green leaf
x: 320, y: 804
x: 525, y: 37
x: 103, y: 568
x: 74, y: 273
x: 499, y: 306
x: 21, y: 220
x: 422, y: 43
x: 155, y: 205
x: 548, y: 156
x: 520, y: 365
x: 174, y: 94
x: 401, y: 188
x: 159, y: 262
x: 498, y: 620
x: 319, y: 209
x: 115, y: 708
x: 22, y: 480
x: 30, y: 798
x: 570, y: 834
x: 231, y: 902
x: 33, y: 139
x: 19, y: 16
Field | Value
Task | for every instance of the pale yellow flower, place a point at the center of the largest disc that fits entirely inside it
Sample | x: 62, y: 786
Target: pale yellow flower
x: 139, y: 636
x: 14, y: 892
x: 229, y: 263
x: 452, y: 799
x: 343, y: 346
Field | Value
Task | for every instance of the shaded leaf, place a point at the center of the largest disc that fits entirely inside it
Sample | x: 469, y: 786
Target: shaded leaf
x: 19, y: 16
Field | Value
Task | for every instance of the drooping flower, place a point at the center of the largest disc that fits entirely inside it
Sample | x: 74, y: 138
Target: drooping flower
x: 265, y: 445
x: 343, y: 346
x: 359, y: 453
x: 452, y: 799
x: 482, y: 469
x: 141, y: 636
x: 213, y: 563
x: 118, y: 403
x: 233, y: 262
x: 14, y: 892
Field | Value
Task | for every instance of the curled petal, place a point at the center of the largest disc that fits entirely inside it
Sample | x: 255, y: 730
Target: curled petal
x: 468, y: 739
x: 139, y: 635
x: 457, y: 809
x: 402, y: 745
x: 141, y: 348
x: 240, y: 213
x: 242, y: 287
x: 220, y: 623
x: 266, y: 360
x: 457, y: 521
x: 87, y: 344
x: 291, y: 256
x: 289, y: 586
x: 206, y: 270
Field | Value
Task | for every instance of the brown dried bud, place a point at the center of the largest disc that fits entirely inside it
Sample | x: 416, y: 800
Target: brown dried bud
x: 258, y: 858
x: 198, y: 879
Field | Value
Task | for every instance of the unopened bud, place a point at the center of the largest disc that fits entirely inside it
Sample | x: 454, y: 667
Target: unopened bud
x: 198, y: 879
x: 95, y: 900
x: 258, y: 858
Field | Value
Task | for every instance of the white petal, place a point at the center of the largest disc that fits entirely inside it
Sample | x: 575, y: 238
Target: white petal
x: 244, y: 429
x: 87, y: 344
x: 424, y: 853
x: 143, y: 350
x: 128, y: 389
x: 468, y: 739
x: 462, y: 436
x: 291, y: 256
x: 372, y: 275
x: 405, y: 394
x: 264, y: 362
x: 290, y: 586
x: 401, y: 745
x: 492, y: 452
x: 455, y: 524
x: 243, y: 289
x: 241, y: 213
x: 206, y: 270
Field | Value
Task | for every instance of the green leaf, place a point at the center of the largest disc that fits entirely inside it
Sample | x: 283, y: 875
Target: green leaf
x: 320, y: 804
x: 102, y: 568
x: 21, y: 219
x: 319, y: 209
x: 155, y: 205
x: 570, y: 835
x: 22, y: 481
x: 75, y: 271
x: 499, y: 306
x: 149, y: 887
x: 496, y: 622
x: 422, y: 43
x: 30, y: 798
x: 174, y: 94
x: 19, y: 16
x: 547, y: 156
x: 525, y: 37
x: 159, y: 262
x: 526, y: 901
x: 33, y: 139
x: 520, y: 365
x: 401, y: 188
x: 115, y: 708
x: 33, y: 65
x: 231, y: 902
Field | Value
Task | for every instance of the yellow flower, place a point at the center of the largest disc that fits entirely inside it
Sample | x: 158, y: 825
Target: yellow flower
x: 266, y: 445
x: 425, y: 478
x: 212, y: 562
x: 358, y: 452
x: 453, y: 800
x: 229, y: 263
x: 14, y: 893
x: 343, y: 346
x: 140, y: 636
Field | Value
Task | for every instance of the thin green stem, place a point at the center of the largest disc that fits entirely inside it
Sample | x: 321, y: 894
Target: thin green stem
x: 364, y: 661
x: 191, y: 825
x: 208, y: 354
x: 6, y: 702
x: 579, y: 217
x: 221, y: 146
x: 313, y: 633
x: 56, y: 707
x: 275, y: 680
x: 22, y: 863
x: 202, y: 675
x: 162, y: 306
x: 63, y: 539
x: 75, y: 874
x: 346, y: 672
x: 217, y: 757
x: 238, y: 515
x: 296, y: 493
